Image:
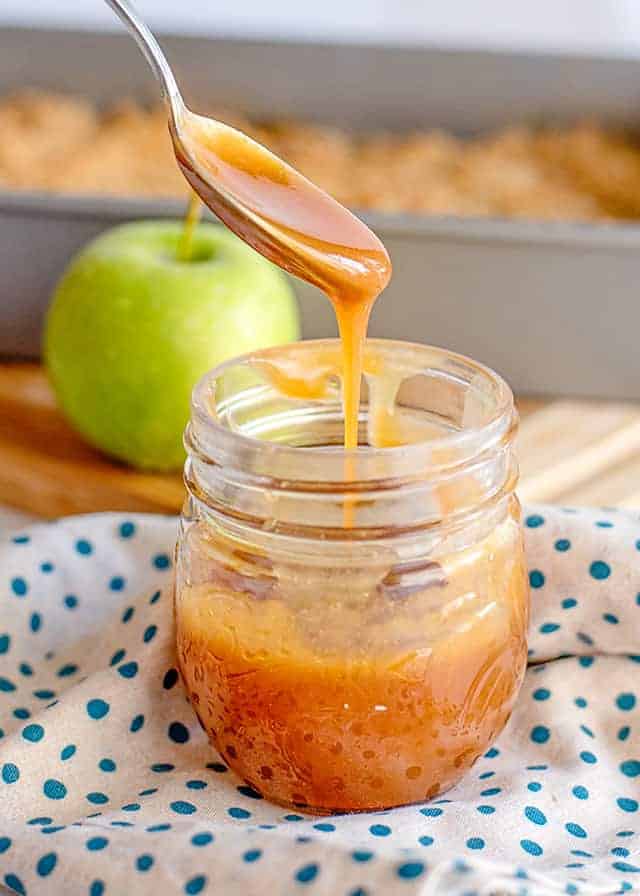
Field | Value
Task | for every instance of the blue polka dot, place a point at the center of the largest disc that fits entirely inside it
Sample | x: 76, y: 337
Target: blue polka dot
x: 426, y: 840
x: 6, y: 685
x: 586, y: 661
x: 491, y: 791
x: 144, y: 862
x: 127, y: 529
x: 414, y: 869
x: 95, y: 844
x: 492, y: 753
x: 131, y: 807
x: 26, y: 669
x: 625, y: 867
x: 162, y: 561
x: 154, y: 828
x: 196, y: 785
x: 136, y: 723
x: 44, y: 694
x: 5, y: 641
x: 307, y: 873
x: 562, y: 545
x: 540, y: 734
x: 10, y: 773
x: 620, y: 851
x: 117, y: 657
x: 97, y: 709
x: 162, y: 767
x: 580, y: 702
x: 587, y: 730
x: 67, y: 752
x: 362, y: 855
x: 178, y: 733
x: 107, y: 765
x: 535, y: 815
x: 380, y: 830
x: 541, y: 694
x: 116, y: 583
x: 21, y: 539
x: 599, y: 570
x: 627, y: 804
x: 547, y: 628
x: 128, y: 670
x: 575, y: 829
x: 67, y: 670
x: 70, y: 601
x: 475, y: 843
x: 251, y: 792
x: 431, y: 812
x: 237, y: 812
x: 148, y: 791
x: 170, y: 679
x: 486, y: 810
x: 588, y: 757
x: 630, y: 768
x: 35, y: 622
x: 5, y: 843
x: 530, y: 846
x: 604, y: 524
x: 97, y: 798
x: 625, y: 702
x: 155, y: 597
x: 568, y: 603
x: 182, y: 807
x: 47, y: 567
x: 96, y: 888
x: 624, y: 732
x: 54, y: 790
x: 149, y: 633
x: 534, y: 521
x: 128, y: 613
x: 324, y: 826
x: 46, y: 864
x: 19, y: 586
x: 21, y: 713
x: 580, y: 792
x: 534, y: 786
x: 84, y: 547
x: 202, y: 839
x: 252, y: 855
x: 33, y: 733
x: 14, y: 883
x: 195, y: 885
x: 610, y: 618
x: 536, y: 578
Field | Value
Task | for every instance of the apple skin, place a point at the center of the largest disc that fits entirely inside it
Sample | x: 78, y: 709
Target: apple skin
x: 131, y: 329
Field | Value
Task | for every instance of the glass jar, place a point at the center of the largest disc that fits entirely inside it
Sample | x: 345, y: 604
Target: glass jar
x: 351, y: 625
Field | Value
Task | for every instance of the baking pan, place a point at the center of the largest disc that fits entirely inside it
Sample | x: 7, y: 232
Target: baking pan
x: 554, y: 307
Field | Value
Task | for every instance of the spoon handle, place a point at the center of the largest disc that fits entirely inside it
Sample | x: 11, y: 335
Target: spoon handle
x: 152, y: 52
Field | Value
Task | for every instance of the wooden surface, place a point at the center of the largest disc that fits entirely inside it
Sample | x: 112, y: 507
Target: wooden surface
x: 571, y: 452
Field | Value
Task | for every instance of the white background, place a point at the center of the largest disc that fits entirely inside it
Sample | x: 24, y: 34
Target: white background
x: 574, y: 25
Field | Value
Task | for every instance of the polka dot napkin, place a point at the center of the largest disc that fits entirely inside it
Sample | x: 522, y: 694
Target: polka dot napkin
x: 107, y: 785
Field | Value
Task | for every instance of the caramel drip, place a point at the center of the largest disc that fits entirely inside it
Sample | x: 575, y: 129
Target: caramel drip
x: 292, y: 222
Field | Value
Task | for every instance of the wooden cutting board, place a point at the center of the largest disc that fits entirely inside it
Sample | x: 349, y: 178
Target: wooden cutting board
x: 571, y: 452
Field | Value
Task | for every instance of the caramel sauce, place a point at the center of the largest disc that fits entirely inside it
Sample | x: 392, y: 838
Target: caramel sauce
x: 295, y: 224
x: 305, y: 710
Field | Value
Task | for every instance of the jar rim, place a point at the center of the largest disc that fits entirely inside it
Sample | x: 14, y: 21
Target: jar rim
x: 214, y: 438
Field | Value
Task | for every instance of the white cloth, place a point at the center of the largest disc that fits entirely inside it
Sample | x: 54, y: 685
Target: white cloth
x: 107, y: 784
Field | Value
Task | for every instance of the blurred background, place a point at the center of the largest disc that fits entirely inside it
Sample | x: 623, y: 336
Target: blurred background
x: 577, y: 25
x: 492, y: 145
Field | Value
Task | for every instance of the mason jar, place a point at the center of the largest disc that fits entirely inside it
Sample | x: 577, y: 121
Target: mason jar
x: 351, y: 626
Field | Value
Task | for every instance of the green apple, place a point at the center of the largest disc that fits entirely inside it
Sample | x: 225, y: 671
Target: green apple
x: 131, y: 329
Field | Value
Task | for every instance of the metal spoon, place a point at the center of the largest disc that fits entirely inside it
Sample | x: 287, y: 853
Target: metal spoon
x: 263, y: 200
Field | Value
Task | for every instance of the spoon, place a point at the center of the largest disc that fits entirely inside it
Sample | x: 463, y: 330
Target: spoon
x: 265, y: 201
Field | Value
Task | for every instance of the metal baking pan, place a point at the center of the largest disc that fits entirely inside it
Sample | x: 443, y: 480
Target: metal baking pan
x: 554, y: 307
